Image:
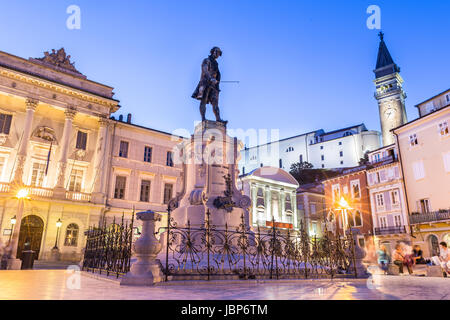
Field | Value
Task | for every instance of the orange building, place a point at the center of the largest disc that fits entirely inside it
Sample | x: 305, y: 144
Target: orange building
x: 351, y: 186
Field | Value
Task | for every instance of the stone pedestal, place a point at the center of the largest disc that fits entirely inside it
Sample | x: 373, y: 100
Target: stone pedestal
x: 210, y: 161
x: 145, y: 271
x: 55, y: 254
x: 14, y: 264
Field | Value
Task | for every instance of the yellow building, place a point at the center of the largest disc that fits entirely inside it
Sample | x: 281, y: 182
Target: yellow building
x: 69, y: 160
x: 424, y: 150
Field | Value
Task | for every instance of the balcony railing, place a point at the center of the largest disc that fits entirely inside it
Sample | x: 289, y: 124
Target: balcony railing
x: 430, y: 217
x: 40, y: 192
x: 78, y: 196
x: 384, y: 160
x: 390, y: 230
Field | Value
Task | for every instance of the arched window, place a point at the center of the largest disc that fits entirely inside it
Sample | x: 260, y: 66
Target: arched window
x: 71, y: 239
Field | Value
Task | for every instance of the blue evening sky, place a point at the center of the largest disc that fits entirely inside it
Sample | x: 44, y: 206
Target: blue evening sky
x: 302, y: 65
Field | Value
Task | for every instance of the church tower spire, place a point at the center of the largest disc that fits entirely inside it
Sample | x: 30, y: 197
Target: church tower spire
x: 389, y: 93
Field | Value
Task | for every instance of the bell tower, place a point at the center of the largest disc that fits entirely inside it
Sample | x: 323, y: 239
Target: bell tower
x: 389, y: 93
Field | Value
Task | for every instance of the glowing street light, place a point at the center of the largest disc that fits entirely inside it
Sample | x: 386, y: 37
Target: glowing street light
x: 13, y: 223
x: 343, y: 206
x: 58, y: 226
x: 22, y: 194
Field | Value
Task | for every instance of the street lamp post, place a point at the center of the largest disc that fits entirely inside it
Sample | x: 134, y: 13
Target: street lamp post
x: 58, y: 226
x: 55, y: 254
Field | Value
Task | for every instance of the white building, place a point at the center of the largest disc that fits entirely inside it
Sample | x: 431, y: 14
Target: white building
x: 273, y: 195
x: 336, y: 149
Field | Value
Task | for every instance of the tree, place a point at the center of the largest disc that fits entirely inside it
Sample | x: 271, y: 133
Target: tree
x: 305, y: 173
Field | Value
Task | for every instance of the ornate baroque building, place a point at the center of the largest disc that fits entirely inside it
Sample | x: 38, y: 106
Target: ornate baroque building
x: 69, y: 160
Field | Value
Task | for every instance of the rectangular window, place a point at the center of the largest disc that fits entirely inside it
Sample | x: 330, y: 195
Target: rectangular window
x: 81, y: 140
x: 354, y: 185
x: 313, y: 208
x: 341, y: 153
x: 301, y: 158
x: 168, y: 189
x: 148, y: 154
x: 419, y: 170
x: 379, y: 199
x: 5, y: 123
x: 123, y: 150
x: 169, y: 159
x: 2, y: 165
x: 76, y: 179
x: 413, y: 140
x: 336, y: 192
x: 398, y: 221
x: 424, y: 206
x: 145, y: 191
x: 119, y: 190
x: 281, y: 163
x: 446, y: 159
x: 322, y: 157
x: 383, y: 222
x: 358, y: 220
x: 37, y: 174
x: 443, y: 129
x: 395, y: 198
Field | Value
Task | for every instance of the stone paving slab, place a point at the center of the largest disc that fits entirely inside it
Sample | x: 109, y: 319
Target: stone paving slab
x: 62, y: 285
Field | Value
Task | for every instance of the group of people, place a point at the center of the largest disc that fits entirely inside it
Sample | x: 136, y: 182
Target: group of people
x: 403, y: 257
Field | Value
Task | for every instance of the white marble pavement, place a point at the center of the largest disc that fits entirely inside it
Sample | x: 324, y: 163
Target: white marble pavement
x: 59, y: 284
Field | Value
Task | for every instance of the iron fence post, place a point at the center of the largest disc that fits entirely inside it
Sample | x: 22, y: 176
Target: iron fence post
x: 167, y: 243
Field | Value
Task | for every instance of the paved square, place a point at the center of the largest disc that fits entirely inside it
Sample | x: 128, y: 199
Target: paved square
x: 59, y: 285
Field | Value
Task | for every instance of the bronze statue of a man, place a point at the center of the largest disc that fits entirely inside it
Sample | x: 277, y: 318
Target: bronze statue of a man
x: 208, y: 88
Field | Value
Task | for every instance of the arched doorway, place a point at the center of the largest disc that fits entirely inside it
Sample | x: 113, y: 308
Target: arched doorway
x: 433, y: 244
x: 31, y: 230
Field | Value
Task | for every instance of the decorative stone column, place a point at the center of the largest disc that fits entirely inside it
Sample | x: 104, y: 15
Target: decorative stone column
x: 254, y: 194
x: 64, y: 151
x: 146, y: 270
x: 98, y: 195
x: 23, y: 147
x: 268, y: 204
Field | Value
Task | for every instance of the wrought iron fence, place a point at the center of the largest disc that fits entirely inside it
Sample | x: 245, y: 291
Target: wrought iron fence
x: 108, y: 248
x: 274, y: 253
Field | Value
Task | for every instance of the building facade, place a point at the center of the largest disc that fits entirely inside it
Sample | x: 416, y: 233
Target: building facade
x: 336, y: 149
x: 68, y: 160
x: 273, y: 194
x: 352, y: 187
x: 424, y: 150
x: 312, y: 208
x: 387, y: 198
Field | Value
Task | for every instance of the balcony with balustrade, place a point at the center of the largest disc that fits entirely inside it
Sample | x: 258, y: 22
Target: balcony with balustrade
x: 41, y: 193
x: 385, y: 231
x: 429, y: 217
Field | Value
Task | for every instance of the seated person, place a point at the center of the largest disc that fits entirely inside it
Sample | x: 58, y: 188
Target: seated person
x: 417, y: 255
x: 444, y: 258
x: 399, y: 259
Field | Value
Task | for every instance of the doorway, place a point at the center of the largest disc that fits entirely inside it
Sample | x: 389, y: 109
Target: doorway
x: 31, y: 230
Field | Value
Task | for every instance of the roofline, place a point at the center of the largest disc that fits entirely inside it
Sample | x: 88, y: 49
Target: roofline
x: 60, y: 72
x: 304, y: 134
x: 420, y: 118
x: 417, y: 105
x: 389, y: 145
x: 147, y: 128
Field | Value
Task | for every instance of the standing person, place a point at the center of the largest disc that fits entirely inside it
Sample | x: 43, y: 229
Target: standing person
x: 399, y: 259
x: 383, y: 258
x: 444, y: 259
